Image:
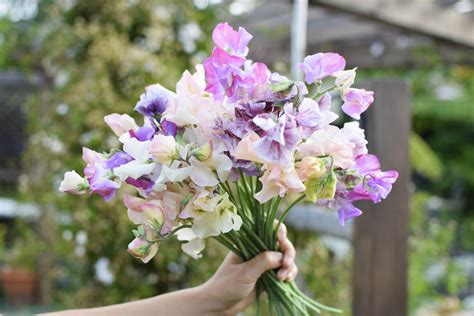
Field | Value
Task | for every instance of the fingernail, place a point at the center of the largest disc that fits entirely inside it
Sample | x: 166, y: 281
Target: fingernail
x: 277, y: 256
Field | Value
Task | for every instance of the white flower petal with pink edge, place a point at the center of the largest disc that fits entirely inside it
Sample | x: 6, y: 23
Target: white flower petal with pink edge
x: 72, y: 182
x: 120, y: 123
x: 329, y: 141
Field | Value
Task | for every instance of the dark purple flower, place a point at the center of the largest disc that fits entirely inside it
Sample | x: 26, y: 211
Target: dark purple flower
x: 154, y: 101
x: 117, y: 159
x: 141, y: 183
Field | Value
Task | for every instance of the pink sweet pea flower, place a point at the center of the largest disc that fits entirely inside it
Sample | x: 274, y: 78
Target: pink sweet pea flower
x: 277, y: 180
x: 329, y: 141
x: 245, y: 150
x: 356, y: 101
x: 120, y: 124
x: 321, y: 65
x: 233, y: 42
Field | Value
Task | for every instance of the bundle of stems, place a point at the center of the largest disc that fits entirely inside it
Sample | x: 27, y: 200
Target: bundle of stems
x: 259, y: 233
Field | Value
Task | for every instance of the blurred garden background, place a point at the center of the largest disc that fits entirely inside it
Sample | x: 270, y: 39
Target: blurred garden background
x: 64, y: 64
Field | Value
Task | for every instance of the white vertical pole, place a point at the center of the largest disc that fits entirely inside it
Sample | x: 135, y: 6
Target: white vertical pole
x: 298, y: 36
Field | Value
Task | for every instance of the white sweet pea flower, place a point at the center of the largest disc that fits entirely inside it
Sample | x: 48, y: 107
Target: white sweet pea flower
x: 141, y: 164
x: 345, y: 78
x: 163, y: 148
x: 203, y: 171
x: 73, y: 183
x: 194, y: 245
x: 214, y: 215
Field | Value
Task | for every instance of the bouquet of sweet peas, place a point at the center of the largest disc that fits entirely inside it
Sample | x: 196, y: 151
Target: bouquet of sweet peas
x: 230, y: 153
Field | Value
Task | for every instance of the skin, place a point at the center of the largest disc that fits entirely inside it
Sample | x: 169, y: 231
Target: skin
x: 229, y: 291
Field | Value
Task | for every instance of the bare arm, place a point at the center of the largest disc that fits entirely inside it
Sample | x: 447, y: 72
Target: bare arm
x: 230, y: 290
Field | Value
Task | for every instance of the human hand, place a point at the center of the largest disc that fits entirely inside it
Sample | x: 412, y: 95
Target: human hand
x: 232, y: 288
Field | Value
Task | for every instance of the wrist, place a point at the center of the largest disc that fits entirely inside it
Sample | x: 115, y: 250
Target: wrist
x: 209, y: 301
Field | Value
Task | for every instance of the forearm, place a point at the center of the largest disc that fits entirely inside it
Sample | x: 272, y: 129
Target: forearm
x: 193, y: 301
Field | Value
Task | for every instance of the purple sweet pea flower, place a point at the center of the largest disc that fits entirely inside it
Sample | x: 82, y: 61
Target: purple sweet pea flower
x: 141, y: 183
x: 97, y: 175
x: 375, y: 184
x: 144, y: 133
x: 154, y: 101
x: 233, y: 42
x: 101, y: 184
x: 279, y: 140
x: 169, y: 128
x: 319, y: 66
x: 356, y: 101
x: 347, y: 212
x: 117, y: 159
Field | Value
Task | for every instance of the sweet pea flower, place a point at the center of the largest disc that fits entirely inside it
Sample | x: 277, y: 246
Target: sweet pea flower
x: 97, y: 175
x: 163, y: 148
x: 313, y: 115
x: 355, y: 135
x: 245, y: 148
x: 277, y: 180
x: 345, y: 78
x: 141, y: 211
x: 193, y: 105
x: 279, y: 140
x: 194, y: 245
x: 73, y: 183
x: 375, y: 184
x: 329, y: 141
x: 203, y: 171
x: 144, y: 247
x: 154, y: 101
x: 117, y: 159
x: 213, y: 215
x: 141, y: 164
x: 346, y: 212
x: 120, y: 124
x: 310, y: 167
x: 356, y: 101
x: 321, y: 65
x: 232, y: 41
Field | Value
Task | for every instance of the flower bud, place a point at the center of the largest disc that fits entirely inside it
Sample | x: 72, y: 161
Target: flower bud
x: 73, y: 183
x: 310, y: 167
x: 142, y: 249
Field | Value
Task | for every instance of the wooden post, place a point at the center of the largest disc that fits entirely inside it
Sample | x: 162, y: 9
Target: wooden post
x: 381, y: 233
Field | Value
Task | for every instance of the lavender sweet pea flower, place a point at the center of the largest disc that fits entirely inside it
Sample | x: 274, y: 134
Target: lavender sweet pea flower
x: 347, y: 212
x: 312, y: 115
x: 97, y: 175
x: 356, y: 101
x: 375, y: 184
x: 319, y: 66
x: 279, y: 140
x: 233, y: 42
x: 144, y: 133
x: 169, y: 128
x: 154, y: 101
x: 117, y: 159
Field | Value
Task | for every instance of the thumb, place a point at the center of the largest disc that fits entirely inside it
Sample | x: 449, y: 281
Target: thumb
x: 258, y: 265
